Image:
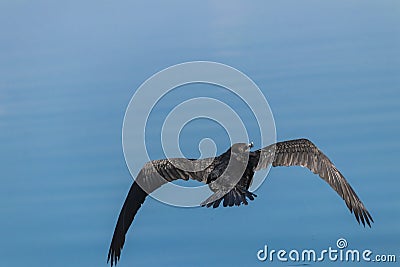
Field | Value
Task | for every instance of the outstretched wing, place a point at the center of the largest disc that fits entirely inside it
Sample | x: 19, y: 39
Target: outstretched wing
x: 153, y: 175
x: 302, y: 152
x: 133, y: 201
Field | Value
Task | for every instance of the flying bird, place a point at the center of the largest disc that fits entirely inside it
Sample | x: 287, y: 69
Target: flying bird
x: 229, y: 177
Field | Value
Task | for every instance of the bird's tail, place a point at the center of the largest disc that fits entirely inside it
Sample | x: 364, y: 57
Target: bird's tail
x: 236, y: 196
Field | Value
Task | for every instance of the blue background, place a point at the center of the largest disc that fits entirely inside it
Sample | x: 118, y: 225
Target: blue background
x: 329, y: 69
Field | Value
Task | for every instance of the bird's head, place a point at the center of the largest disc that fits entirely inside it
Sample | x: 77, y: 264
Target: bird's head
x: 240, y: 148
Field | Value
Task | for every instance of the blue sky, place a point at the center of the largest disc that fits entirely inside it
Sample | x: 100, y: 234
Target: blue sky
x: 330, y: 72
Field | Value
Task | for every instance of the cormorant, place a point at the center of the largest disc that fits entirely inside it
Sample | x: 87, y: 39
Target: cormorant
x: 229, y: 176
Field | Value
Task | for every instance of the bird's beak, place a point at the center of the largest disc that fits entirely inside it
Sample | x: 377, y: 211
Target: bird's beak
x: 251, y: 145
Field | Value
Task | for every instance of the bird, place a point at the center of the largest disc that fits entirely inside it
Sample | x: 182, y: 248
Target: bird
x: 229, y: 177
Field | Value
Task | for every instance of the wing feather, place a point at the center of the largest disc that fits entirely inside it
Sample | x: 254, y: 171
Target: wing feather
x: 153, y: 175
x: 133, y: 201
x: 302, y: 152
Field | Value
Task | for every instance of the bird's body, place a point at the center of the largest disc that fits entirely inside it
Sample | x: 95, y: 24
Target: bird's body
x: 229, y: 176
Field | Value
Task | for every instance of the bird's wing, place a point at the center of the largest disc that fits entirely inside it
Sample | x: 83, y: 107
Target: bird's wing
x: 158, y: 172
x: 153, y: 175
x: 302, y: 152
x: 133, y: 201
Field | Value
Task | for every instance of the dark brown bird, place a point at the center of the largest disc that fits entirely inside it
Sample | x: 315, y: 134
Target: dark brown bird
x: 229, y: 176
